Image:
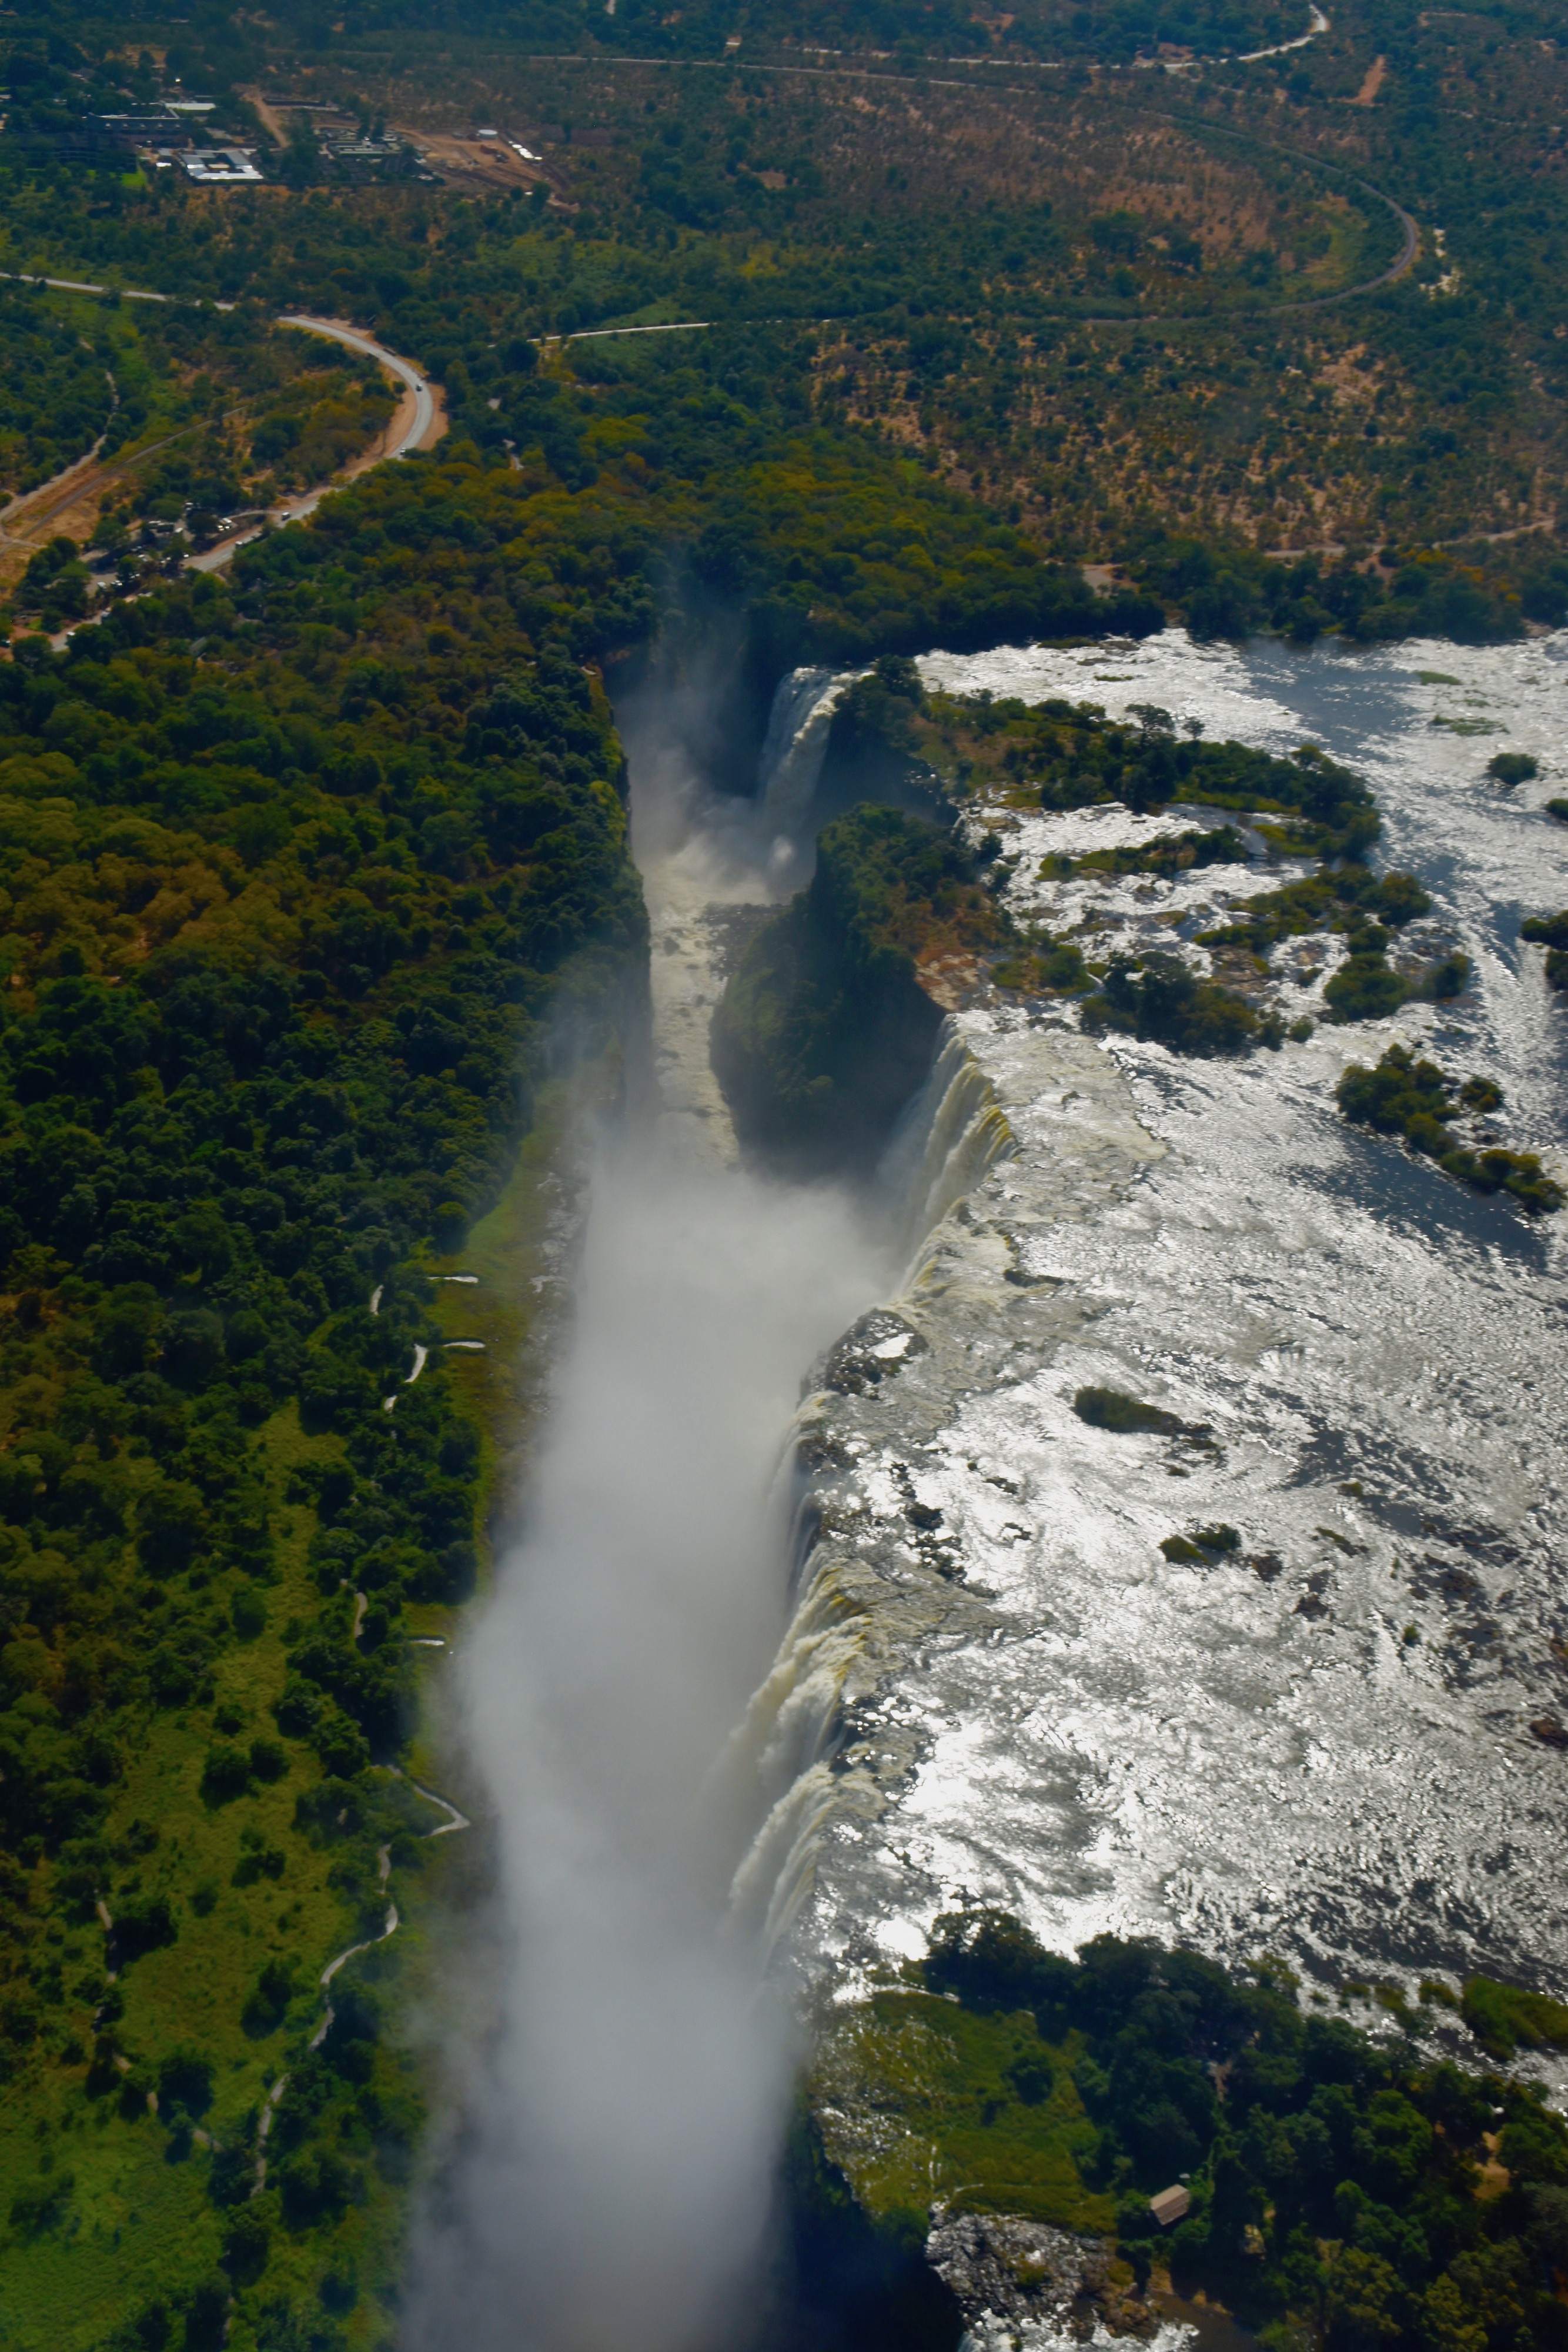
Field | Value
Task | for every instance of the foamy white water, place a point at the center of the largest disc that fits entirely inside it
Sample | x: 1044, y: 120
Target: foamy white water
x: 994, y: 1684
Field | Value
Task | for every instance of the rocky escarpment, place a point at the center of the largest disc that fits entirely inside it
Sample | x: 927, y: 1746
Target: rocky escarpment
x: 1009, y: 2276
x: 826, y: 1030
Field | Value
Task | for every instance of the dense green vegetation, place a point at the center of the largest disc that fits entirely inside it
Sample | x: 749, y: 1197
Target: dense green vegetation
x: 1172, y: 854
x: 1368, y: 909
x: 1419, y: 1101
x: 56, y: 398
x: 1227, y: 589
x: 1345, y: 2189
x: 1063, y: 755
x: 1505, y: 2018
x: 299, y: 875
x: 1204, y: 1546
x: 1551, y: 931
x: 824, y: 1032
x: 1154, y: 994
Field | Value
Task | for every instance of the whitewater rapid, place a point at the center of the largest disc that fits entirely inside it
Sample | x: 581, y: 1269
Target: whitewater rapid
x: 994, y: 1685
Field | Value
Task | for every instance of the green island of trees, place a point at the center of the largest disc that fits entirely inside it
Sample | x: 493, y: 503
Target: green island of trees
x: 1367, y: 909
x: 1111, y: 1409
x: 1417, y: 1100
x: 1551, y: 932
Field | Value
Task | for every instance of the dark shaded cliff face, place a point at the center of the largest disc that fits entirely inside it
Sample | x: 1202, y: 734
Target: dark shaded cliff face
x: 825, y: 1029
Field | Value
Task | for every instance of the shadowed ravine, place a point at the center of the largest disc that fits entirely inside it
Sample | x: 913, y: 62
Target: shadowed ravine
x: 621, y: 2127
x: 743, y: 1729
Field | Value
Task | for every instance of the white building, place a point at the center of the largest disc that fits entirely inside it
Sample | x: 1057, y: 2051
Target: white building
x: 220, y: 164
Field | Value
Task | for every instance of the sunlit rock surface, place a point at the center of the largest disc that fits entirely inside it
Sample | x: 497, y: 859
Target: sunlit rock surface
x: 995, y: 1685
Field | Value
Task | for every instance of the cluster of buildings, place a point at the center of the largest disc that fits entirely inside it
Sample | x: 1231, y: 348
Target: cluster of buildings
x: 176, y: 135
x: 165, y: 137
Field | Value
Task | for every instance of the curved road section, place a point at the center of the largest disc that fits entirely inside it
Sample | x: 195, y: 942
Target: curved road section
x: 418, y: 421
x: 424, y: 409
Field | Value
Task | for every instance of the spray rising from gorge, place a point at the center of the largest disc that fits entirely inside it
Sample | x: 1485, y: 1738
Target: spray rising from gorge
x: 992, y: 1674
x: 622, y: 2119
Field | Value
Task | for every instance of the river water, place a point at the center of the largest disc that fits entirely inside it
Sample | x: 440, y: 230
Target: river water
x: 994, y: 1685
x: 755, y: 1683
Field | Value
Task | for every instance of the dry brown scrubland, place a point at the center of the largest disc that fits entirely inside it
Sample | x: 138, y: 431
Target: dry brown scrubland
x: 1295, y: 428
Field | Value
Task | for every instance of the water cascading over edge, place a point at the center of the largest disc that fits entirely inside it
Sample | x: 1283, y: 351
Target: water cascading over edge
x: 795, y: 744
x: 953, y: 1133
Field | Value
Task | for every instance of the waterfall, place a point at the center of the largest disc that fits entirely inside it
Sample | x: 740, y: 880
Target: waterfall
x: 795, y: 744
x: 954, y: 1130
x: 787, y: 1748
x: 616, y: 2121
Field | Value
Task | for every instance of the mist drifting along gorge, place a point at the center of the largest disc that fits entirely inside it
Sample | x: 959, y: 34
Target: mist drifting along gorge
x: 783, y: 1161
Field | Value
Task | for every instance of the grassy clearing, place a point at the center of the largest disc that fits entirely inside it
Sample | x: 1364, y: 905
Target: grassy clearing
x: 136, y: 2220
x: 920, y: 2099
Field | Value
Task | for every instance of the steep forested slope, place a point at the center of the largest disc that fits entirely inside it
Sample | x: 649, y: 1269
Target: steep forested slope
x: 295, y: 885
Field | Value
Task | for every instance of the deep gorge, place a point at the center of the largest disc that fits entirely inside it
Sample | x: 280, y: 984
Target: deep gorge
x: 953, y: 1537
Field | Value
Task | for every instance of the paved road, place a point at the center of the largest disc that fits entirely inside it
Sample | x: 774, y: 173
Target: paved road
x: 411, y: 434
x: 408, y: 436
x: 598, y: 334
x: 368, y: 347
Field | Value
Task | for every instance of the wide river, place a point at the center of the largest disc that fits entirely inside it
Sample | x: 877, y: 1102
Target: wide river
x: 995, y: 1685
x: 973, y: 1673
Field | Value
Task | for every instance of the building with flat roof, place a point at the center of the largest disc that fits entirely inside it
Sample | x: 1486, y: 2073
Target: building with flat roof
x: 219, y: 165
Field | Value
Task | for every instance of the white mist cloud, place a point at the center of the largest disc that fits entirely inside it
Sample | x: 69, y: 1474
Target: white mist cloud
x: 613, y: 2182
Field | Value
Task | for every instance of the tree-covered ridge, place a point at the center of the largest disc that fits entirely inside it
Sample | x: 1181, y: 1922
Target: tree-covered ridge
x: 1344, y: 2188
x: 1230, y: 591
x: 934, y: 261
x: 228, y: 50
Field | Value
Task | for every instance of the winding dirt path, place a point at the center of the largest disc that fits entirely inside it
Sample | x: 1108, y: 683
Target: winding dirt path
x: 455, y: 1821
